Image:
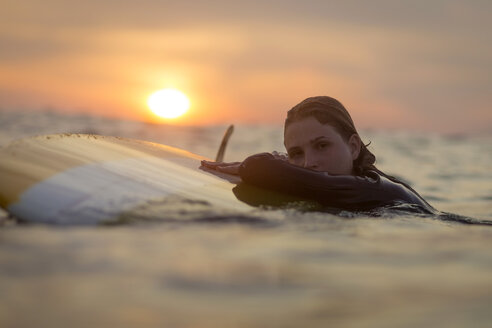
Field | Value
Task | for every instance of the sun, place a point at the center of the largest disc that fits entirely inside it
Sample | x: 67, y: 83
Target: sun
x: 168, y: 103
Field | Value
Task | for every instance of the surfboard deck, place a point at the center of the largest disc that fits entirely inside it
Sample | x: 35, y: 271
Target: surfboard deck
x: 88, y: 179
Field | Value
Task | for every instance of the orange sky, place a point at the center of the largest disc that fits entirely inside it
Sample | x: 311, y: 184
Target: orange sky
x: 418, y: 65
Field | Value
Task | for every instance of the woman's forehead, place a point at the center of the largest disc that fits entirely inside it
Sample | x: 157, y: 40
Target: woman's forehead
x: 307, y: 130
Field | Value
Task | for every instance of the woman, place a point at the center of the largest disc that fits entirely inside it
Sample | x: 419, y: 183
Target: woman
x: 327, y: 162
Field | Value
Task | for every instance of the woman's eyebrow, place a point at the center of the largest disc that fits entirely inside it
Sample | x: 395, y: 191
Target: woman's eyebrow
x: 318, y: 138
x: 293, y: 148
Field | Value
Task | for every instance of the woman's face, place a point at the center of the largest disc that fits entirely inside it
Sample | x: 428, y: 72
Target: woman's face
x: 320, y: 147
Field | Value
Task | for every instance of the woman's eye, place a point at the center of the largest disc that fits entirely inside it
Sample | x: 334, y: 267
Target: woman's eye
x: 294, y: 154
x: 322, y: 145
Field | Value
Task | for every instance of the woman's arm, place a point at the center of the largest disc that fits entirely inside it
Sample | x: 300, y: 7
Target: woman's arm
x: 343, y: 191
x: 340, y: 191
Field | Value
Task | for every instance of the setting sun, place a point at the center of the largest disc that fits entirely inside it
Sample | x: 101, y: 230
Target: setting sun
x: 168, y: 103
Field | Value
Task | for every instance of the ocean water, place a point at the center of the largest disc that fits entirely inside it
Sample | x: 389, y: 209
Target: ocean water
x: 282, y: 269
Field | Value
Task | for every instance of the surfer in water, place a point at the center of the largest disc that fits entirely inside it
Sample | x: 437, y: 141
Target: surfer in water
x: 326, y: 162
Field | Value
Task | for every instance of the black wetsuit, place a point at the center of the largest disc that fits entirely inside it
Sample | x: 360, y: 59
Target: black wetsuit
x: 346, y: 192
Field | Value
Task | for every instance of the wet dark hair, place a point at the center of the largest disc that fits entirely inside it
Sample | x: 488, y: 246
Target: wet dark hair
x: 328, y: 110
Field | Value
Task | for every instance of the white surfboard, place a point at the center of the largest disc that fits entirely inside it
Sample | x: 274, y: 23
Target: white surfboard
x: 88, y: 179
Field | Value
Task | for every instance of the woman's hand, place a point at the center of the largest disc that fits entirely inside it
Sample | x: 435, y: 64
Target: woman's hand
x: 233, y: 167
x: 230, y: 168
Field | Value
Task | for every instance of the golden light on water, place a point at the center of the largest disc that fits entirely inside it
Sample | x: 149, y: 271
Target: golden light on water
x: 168, y: 103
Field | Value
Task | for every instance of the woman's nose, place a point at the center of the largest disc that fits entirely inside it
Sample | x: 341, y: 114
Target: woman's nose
x: 310, y: 162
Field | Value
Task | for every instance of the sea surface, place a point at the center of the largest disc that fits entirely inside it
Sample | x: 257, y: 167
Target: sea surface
x: 284, y: 269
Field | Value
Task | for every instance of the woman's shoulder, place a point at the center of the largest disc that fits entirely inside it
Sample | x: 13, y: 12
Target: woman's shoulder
x: 398, y: 190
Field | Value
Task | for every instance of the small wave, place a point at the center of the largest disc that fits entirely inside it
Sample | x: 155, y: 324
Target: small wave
x: 180, y: 210
x: 177, y: 210
x: 450, y: 217
x: 488, y: 197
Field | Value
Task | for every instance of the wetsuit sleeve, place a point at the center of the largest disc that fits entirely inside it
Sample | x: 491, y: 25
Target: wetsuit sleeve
x: 347, y: 192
